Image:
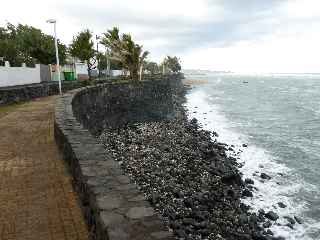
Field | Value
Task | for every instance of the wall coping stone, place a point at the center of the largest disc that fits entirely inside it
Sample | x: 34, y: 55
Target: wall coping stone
x: 113, y: 206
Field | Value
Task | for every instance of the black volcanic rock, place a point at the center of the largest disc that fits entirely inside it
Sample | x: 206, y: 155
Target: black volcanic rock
x: 282, y: 205
x: 247, y: 193
x: 187, y: 177
x: 267, y: 224
x: 290, y: 220
x: 265, y: 176
x: 298, y: 220
x: 272, y: 216
x: 249, y: 181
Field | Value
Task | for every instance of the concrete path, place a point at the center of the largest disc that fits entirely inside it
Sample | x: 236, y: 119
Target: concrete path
x: 37, y: 201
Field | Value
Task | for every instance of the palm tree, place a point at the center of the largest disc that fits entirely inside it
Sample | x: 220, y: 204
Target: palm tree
x: 125, y: 50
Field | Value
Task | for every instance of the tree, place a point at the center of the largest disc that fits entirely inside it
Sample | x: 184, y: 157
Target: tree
x: 152, y: 67
x: 103, y: 63
x: 34, y: 44
x: 126, y: 51
x: 8, y: 46
x: 23, y: 43
x: 172, y: 63
x: 82, y: 47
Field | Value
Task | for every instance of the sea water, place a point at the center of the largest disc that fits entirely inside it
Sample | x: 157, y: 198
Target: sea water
x: 278, y: 117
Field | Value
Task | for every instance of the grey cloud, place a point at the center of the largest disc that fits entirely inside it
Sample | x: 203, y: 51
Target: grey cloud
x: 241, y: 20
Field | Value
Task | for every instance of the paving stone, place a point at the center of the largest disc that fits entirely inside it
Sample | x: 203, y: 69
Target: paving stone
x: 88, y: 172
x: 138, y: 198
x: 37, y: 200
x: 109, y: 164
x: 161, y: 235
x: 123, y: 179
x: 118, y: 233
x: 103, y: 172
x: 140, y: 212
x: 111, y: 218
x: 109, y: 202
x: 94, y: 182
x: 126, y: 187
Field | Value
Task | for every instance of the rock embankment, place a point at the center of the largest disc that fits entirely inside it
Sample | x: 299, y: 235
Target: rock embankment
x: 188, y: 179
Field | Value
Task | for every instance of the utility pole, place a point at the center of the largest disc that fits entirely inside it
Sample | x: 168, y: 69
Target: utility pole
x: 108, y: 64
x: 98, y: 58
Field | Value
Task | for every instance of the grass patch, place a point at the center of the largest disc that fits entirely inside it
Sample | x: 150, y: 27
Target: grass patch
x: 4, y: 110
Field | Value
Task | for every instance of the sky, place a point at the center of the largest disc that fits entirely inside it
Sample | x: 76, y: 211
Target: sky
x: 231, y: 35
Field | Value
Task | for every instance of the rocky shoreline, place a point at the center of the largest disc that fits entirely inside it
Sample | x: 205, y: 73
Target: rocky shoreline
x: 188, y: 179
x: 191, y: 180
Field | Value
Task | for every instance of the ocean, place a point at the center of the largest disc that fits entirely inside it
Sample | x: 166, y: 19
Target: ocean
x: 278, y: 117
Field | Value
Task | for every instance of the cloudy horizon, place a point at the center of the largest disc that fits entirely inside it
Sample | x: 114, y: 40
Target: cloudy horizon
x: 240, y: 36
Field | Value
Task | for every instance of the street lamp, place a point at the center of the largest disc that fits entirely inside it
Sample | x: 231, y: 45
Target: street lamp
x: 57, y: 51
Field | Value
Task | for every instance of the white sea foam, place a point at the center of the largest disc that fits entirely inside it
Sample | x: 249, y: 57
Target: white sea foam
x: 280, y: 188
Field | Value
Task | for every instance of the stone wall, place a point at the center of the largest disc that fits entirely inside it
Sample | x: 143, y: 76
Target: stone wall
x: 113, y: 206
x: 27, y: 92
x: 113, y: 105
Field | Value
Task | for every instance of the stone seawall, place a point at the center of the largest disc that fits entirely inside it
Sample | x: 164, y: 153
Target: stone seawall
x: 113, y: 105
x: 22, y: 93
x: 113, y: 206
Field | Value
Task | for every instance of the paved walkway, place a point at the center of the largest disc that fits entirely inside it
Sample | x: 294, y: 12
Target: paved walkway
x: 37, y: 201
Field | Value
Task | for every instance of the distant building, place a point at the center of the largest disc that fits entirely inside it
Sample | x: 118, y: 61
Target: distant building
x: 76, y: 67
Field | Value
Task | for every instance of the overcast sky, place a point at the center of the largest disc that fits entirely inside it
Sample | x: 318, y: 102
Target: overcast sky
x: 236, y: 35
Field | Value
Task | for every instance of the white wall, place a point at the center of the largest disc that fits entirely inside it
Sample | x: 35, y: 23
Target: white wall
x: 12, y: 76
x: 115, y: 73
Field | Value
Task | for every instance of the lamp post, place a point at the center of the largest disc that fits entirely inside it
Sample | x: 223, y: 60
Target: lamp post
x: 57, y: 51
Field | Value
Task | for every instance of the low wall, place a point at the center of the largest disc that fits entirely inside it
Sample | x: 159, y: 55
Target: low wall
x: 113, y: 207
x: 27, y: 92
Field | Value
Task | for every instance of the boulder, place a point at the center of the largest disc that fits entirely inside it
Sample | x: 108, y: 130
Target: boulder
x: 272, y: 216
x: 265, y: 176
x: 247, y: 193
x: 290, y: 220
x: 282, y: 205
x: 249, y: 181
x: 298, y: 220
